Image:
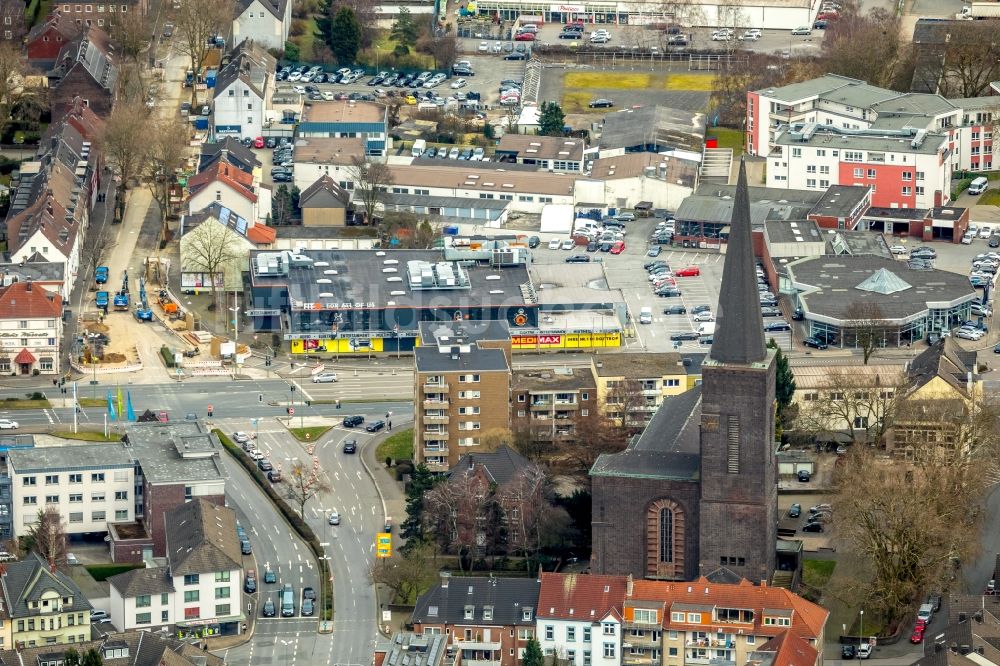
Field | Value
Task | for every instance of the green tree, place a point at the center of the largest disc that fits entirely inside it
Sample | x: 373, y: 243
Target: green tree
x: 71, y: 657
x: 405, y: 30
x: 412, y: 528
x: 345, y: 36
x: 551, y: 120
x: 533, y: 654
x: 91, y: 658
x: 784, y: 388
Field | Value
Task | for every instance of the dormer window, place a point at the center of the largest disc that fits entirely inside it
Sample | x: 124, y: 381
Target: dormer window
x: 526, y: 614
x: 470, y: 612
x: 488, y: 613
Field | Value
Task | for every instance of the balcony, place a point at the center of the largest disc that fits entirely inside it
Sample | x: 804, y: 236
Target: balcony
x: 481, y: 662
x: 639, y: 659
x: 566, y: 404
x: 439, y: 419
x: 440, y: 387
x: 442, y: 466
x: 476, y: 645
x: 541, y: 405
x: 432, y: 452
x: 435, y: 404
x: 650, y: 635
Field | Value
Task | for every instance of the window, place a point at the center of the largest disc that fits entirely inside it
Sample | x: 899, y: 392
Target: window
x: 571, y: 656
x: 584, y: 396
x: 469, y: 612
x: 672, y: 652
x: 811, y: 168
x: 165, y: 616
x: 191, y: 579
x: 223, y: 576
x: 586, y: 658
x: 821, y: 152
x: 549, y: 632
x: 76, y: 517
x: 907, y: 191
x: 571, y: 634
x: 143, y: 601
x: 907, y: 175
x: 645, y: 616
x: 30, y: 500
x: 526, y: 616
x: 222, y: 592
x: 920, y: 190
x: 97, y: 477
x: 164, y: 599
x: 75, y: 497
x: 192, y: 613
x: 191, y: 595
x: 871, y: 173
x: 544, y: 199
x: 468, y: 379
x: 121, y: 475
x: 121, y: 495
x: 99, y: 515
x: 468, y: 395
x: 584, y: 412
x: 677, y: 617
x: 52, y: 499
x: 121, y: 514
x: 751, y: 639
x: 920, y: 175
x: 810, y: 182
x: 488, y: 613
x: 673, y: 635
x: 609, y: 650
x: 586, y: 634
x: 51, y: 479
x: 29, y: 481
x: 222, y: 610
x: 521, y: 397
x: 608, y: 628
x: 796, y: 152
x: 97, y: 497
x: 694, y: 618
x: 666, y: 535
x: 143, y: 618
x: 76, y: 478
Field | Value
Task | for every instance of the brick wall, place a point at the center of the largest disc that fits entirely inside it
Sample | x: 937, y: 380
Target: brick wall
x: 507, y: 635
x: 159, y: 500
x: 79, y: 83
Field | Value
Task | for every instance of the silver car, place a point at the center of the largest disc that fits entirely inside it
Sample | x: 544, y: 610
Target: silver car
x: 325, y: 378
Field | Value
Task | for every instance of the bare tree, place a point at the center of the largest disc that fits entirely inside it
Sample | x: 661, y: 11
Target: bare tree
x: 853, y: 402
x: 47, y: 537
x: 444, y: 49
x: 626, y: 408
x: 210, y: 247
x: 969, y: 63
x: 304, y: 483
x: 14, y: 88
x: 754, y: 72
x: 408, y: 576
x: 166, y: 152
x: 868, y: 46
x: 131, y: 36
x: 198, y: 22
x: 865, y: 327
x: 452, y: 514
x: 97, y: 245
x: 371, y: 180
x: 124, y: 143
x: 531, y: 520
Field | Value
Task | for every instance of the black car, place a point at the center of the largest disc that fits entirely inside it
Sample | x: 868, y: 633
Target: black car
x: 994, y: 241
x: 375, y: 426
x: 701, y: 308
x: 798, y: 314
x: 804, y: 475
x: 516, y: 55
x: 777, y: 326
x: 350, y: 446
x: 270, y: 142
x: 308, y: 593
x: 601, y: 103
x: 352, y: 421
x: 815, y: 343
x: 795, y: 511
x: 268, y: 609
x: 706, y: 340
x: 250, y: 585
x: 390, y: 80
x: 769, y: 311
x: 534, y: 241
x: 690, y: 335
x: 578, y: 259
x: 570, y: 34
x: 649, y: 265
x: 668, y: 292
x: 605, y: 247
x: 934, y: 599
x: 592, y: 246
x: 848, y: 652
x: 812, y: 527
x: 462, y: 70
x: 675, y: 309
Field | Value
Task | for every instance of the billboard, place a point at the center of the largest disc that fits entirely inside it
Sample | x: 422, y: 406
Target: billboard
x: 336, y: 346
x: 566, y: 341
x: 383, y: 544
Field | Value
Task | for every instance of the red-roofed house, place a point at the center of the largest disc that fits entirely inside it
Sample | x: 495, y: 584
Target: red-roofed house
x: 785, y: 649
x: 579, y: 618
x: 231, y: 187
x: 47, y: 39
x: 31, y: 325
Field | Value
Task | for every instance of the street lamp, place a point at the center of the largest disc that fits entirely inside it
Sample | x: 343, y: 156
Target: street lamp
x: 861, y: 628
x: 236, y: 318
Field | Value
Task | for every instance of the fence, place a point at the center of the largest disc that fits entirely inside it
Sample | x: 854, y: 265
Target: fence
x: 607, y: 58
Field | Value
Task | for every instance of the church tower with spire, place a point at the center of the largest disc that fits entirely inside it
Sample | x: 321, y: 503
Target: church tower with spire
x: 739, y: 482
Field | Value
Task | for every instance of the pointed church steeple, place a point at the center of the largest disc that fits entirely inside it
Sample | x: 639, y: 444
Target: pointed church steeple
x: 739, y: 329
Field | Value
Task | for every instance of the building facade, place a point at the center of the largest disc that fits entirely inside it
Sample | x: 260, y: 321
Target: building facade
x: 579, y: 619
x: 266, y: 22
x: 553, y: 406
x: 244, y: 87
x: 631, y: 390
x: 31, y: 330
x: 46, y: 606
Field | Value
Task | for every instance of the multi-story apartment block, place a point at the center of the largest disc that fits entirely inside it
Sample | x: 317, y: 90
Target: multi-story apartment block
x: 461, y: 390
x: 488, y: 620
x: 45, y: 605
x: 31, y: 329
x: 201, y: 584
x: 243, y: 90
x: 834, y: 130
x: 91, y: 485
x: 552, y: 405
x: 633, y: 387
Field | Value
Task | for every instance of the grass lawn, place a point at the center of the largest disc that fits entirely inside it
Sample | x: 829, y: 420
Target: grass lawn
x: 728, y: 138
x: 102, y: 572
x: 576, y: 102
x: 398, y: 447
x: 694, y: 82
x: 306, y: 39
x: 310, y: 434
x: 18, y: 403
x: 816, y: 573
x: 989, y: 198
x: 86, y: 436
x: 93, y: 402
x: 609, y: 80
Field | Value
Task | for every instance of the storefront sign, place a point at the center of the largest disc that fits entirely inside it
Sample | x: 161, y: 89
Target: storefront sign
x: 576, y: 9
x: 263, y: 312
x: 566, y: 341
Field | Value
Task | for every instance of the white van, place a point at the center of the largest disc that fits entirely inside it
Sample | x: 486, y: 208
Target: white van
x: 646, y: 315
x: 419, y: 146
x: 979, y: 185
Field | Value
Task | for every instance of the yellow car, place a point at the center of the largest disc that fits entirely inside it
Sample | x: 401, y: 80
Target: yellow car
x: 410, y: 99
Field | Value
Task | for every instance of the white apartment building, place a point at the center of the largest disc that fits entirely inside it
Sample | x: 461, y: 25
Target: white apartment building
x: 243, y: 92
x: 202, y: 584
x: 580, y: 621
x: 31, y: 329
x: 958, y: 132
x: 267, y: 22
x: 90, y: 484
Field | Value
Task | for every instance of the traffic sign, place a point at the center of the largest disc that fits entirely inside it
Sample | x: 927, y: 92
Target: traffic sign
x: 291, y: 411
x: 383, y: 545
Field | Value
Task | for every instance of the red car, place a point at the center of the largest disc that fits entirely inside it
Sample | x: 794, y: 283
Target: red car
x: 524, y: 37
x: 690, y: 271
x: 827, y: 16
x: 918, y: 635
x: 618, y: 247
x: 258, y: 142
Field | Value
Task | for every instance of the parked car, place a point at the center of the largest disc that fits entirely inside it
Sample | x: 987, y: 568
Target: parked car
x: 675, y: 310
x: 777, y: 326
x: 688, y: 335
x: 654, y: 251
x: 690, y: 271
x: 803, y: 476
x: 601, y: 103
x: 802, y: 30
x: 813, y: 527
x: 577, y: 259
x: 848, y: 652
x: 267, y: 610
x: 815, y: 343
x: 795, y: 511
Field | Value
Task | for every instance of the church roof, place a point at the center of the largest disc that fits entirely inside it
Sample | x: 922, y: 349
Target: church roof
x: 667, y: 448
x: 739, y: 333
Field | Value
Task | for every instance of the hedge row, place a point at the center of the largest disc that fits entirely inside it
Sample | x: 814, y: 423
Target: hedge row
x: 168, y: 356
x: 299, y: 525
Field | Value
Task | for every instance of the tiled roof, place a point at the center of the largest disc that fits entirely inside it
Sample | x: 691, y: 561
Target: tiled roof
x: 201, y: 538
x: 944, y: 359
x: 93, y: 52
x: 223, y: 172
x: 500, y: 466
x: 24, y: 356
x: 229, y: 150
x: 63, y: 24
x: 137, y: 648
x: 785, y: 649
x: 587, y: 598
x: 808, y: 619
x: 27, y: 580
x: 22, y: 301
x: 261, y: 234
x: 324, y: 184
x: 450, y: 601
x: 138, y: 582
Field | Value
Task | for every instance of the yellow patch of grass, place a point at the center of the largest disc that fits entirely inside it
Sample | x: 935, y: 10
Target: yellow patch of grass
x: 606, y: 80
x: 691, y: 82
x: 576, y: 102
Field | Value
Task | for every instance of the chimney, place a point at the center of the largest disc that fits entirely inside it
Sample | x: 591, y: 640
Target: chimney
x: 968, y: 383
x: 628, y: 586
x: 539, y: 578
x: 445, y: 577
x: 27, y: 285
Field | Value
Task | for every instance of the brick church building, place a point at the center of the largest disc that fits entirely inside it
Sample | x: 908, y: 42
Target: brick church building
x: 697, y: 492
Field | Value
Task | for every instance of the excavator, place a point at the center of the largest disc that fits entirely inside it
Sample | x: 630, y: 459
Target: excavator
x: 121, y: 297
x: 142, y: 310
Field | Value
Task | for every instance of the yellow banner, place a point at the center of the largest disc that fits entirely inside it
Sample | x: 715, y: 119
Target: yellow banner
x: 383, y: 545
x: 566, y: 341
